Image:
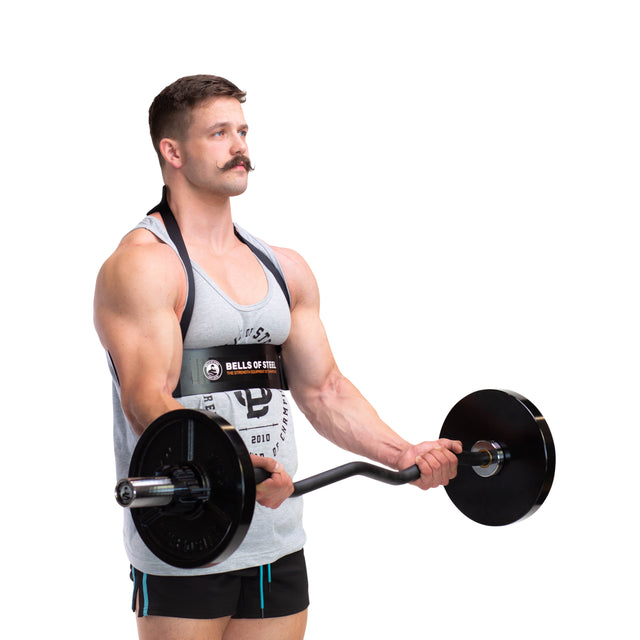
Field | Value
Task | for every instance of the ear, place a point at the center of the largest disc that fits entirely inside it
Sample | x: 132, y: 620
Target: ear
x: 171, y: 152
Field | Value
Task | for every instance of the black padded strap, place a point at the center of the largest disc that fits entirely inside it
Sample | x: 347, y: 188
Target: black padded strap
x: 173, y: 230
x: 267, y: 262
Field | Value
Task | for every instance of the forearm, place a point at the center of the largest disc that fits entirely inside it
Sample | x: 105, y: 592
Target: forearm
x: 340, y: 413
x: 142, y: 406
x: 333, y: 405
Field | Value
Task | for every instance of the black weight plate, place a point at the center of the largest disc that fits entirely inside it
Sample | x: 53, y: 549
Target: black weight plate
x: 525, y: 480
x: 215, y: 530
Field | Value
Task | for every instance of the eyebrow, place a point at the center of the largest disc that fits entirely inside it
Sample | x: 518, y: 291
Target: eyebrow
x: 225, y: 125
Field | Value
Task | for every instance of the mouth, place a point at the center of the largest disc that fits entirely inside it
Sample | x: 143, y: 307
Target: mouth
x: 239, y: 163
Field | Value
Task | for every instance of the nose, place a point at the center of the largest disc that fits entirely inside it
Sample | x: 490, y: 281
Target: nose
x: 239, y: 144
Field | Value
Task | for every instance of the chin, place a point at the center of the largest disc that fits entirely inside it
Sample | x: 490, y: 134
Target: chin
x: 237, y: 188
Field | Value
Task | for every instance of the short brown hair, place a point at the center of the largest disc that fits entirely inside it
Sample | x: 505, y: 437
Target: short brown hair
x: 170, y: 112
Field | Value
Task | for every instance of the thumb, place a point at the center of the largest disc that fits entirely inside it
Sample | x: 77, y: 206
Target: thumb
x: 268, y: 464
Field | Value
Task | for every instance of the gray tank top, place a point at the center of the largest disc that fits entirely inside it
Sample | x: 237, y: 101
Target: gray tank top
x: 262, y: 417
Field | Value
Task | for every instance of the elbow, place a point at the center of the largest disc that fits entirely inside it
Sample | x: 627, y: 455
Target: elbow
x: 141, y: 407
x: 314, y: 400
x: 133, y: 412
x: 335, y: 385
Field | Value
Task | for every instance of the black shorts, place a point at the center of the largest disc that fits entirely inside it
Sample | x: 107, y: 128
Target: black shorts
x: 270, y: 591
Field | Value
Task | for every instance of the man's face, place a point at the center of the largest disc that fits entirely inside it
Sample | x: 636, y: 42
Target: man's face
x: 215, y: 152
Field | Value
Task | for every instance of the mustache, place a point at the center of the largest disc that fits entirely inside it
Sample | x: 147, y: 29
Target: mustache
x: 239, y: 160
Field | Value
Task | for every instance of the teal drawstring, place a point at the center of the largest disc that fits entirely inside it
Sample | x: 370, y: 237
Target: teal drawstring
x: 145, y: 595
x: 261, y: 591
x: 262, y: 585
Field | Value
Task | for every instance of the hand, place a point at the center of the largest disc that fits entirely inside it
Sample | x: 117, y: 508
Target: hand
x: 274, y: 490
x: 436, y: 460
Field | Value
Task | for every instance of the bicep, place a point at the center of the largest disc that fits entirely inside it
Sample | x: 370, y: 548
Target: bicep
x: 308, y: 359
x: 137, y: 324
x: 144, y: 352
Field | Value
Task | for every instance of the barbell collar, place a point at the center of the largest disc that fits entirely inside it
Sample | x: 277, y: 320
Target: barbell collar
x: 136, y: 493
x: 185, y: 487
x: 497, y: 456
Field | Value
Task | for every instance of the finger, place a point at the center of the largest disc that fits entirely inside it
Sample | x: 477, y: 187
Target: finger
x: 451, y: 445
x: 268, y: 464
x: 429, y: 466
x: 450, y: 459
x: 443, y: 464
x: 424, y: 482
x: 279, y: 480
x: 275, y: 490
x: 439, y: 463
x: 450, y: 464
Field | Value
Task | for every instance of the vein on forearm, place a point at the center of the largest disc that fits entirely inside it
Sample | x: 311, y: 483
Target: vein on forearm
x: 340, y: 413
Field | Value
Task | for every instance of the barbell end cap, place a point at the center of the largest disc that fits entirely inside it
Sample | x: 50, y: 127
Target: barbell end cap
x: 124, y: 493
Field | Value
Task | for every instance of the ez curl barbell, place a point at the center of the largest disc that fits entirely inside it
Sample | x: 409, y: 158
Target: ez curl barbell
x: 192, y: 487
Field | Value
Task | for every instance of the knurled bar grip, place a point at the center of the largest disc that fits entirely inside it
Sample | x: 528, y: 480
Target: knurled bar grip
x: 159, y: 491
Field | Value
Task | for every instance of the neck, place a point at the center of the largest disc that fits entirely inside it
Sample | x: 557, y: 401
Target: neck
x: 203, y: 218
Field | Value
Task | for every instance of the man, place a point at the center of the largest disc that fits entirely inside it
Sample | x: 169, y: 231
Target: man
x: 154, y: 303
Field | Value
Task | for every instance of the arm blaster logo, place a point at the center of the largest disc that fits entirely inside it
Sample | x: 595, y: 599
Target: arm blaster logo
x: 212, y: 370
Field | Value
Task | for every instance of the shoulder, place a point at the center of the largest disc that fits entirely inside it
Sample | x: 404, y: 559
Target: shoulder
x: 141, y: 266
x: 299, y: 276
x: 291, y: 260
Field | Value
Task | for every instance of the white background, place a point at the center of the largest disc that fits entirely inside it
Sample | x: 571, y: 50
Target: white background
x: 463, y: 179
